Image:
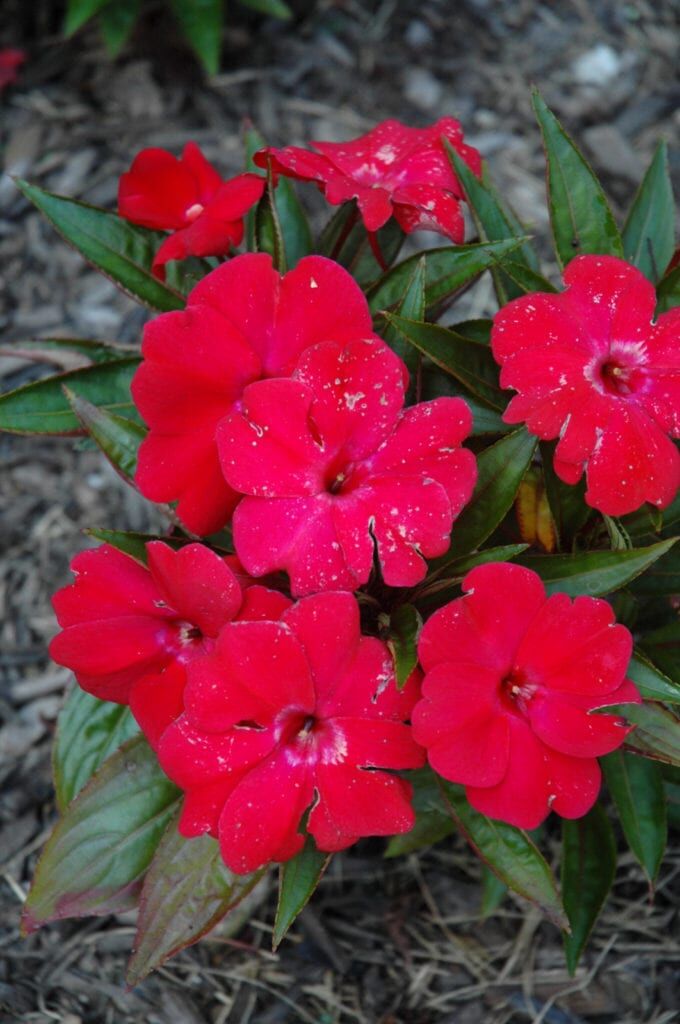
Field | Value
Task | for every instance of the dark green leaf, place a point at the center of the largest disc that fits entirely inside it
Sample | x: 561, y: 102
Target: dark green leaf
x: 494, y: 892
x: 275, y: 8
x: 412, y: 307
x: 470, y: 363
x: 201, y: 22
x: 500, y: 469
x: 525, y: 279
x: 298, y: 880
x: 43, y: 408
x: 345, y: 240
x: 509, y: 853
x: 95, y: 858
x: 567, y: 503
x: 668, y: 292
x: 442, y: 584
x: 288, y: 225
x: 405, y: 626
x: 88, y: 731
x: 651, y: 681
x: 120, y: 250
x: 656, y: 733
x: 648, y: 235
x: 663, y: 646
x: 663, y: 578
x: 588, y: 868
x: 80, y: 11
x: 436, y: 383
x: 581, y: 219
x: 187, y: 890
x: 430, y: 828
x: 594, y: 572
x: 446, y: 271
x: 116, y: 23
x: 636, y: 786
x: 117, y: 437
x: 93, y: 351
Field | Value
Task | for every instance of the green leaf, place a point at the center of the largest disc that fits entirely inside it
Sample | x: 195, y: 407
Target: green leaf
x: 567, y: 503
x: 651, y: 681
x: 668, y: 292
x: 446, y: 271
x: 201, y: 23
x: 525, y: 279
x: 648, y: 235
x: 656, y: 733
x: 80, y: 11
x: 404, y: 630
x: 43, y: 408
x: 345, y: 240
x: 581, y: 219
x: 275, y: 8
x: 116, y: 22
x: 187, y: 890
x: 494, y: 892
x: 412, y: 307
x: 284, y: 224
x: 436, y: 383
x: 663, y: 646
x: 469, y: 362
x: 663, y: 578
x: 442, y: 584
x: 500, y: 469
x: 594, y: 572
x: 88, y: 731
x: 636, y: 786
x: 94, y: 351
x: 509, y: 853
x: 118, y: 438
x: 95, y: 858
x: 588, y: 868
x: 430, y: 828
x: 495, y: 223
x: 122, y: 251
x: 298, y: 879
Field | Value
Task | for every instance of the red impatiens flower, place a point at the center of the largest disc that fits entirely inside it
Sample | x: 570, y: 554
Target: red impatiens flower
x: 243, y: 321
x: 10, y: 62
x: 189, y: 198
x: 392, y: 170
x: 121, y: 620
x: 510, y: 679
x: 288, y: 715
x: 593, y: 368
x: 334, y: 465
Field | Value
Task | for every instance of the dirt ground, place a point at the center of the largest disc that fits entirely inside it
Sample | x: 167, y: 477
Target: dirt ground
x: 385, y: 942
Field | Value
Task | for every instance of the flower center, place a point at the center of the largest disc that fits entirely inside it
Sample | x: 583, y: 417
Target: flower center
x: 516, y: 691
x: 619, y: 378
x: 193, y: 212
x: 188, y: 634
x: 308, y: 738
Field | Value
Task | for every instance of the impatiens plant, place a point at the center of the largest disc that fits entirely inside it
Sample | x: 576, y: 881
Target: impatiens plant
x: 416, y: 577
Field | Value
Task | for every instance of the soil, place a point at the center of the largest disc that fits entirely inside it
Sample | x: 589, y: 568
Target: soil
x: 384, y: 941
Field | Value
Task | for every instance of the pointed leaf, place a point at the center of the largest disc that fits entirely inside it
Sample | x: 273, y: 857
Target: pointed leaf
x: 663, y: 646
x: 494, y: 892
x: 88, y: 731
x: 186, y: 891
x: 80, y: 11
x: 122, y: 251
x: 500, y: 469
x: 668, y: 292
x: 43, y: 408
x: 636, y: 786
x: 581, y: 219
x: 404, y: 630
x: 651, y: 681
x: 648, y: 235
x: 201, y: 22
x: 567, y: 503
x: 446, y: 271
x: 345, y: 240
x: 509, y: 853
x: 95, y: 858
x: 118, y: 438
x: 116, y: 23
x: 298, y: 879
x: 656, y: 733
x: 412, y: 307
x: 436, y: 383
x: 588, y: 868
x: 469, y: 362
x: 92, y: 351
x: 294, y: 232
x: 594, y: 572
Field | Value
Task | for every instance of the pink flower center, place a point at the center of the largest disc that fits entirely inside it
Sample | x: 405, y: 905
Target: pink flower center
x: 516, y: 692
x: 308, y: 738
x: 622, y: 371
x: 619, y: 379
x: 193, y: 212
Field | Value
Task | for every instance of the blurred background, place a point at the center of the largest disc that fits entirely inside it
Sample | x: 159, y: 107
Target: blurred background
x: 385, y: 942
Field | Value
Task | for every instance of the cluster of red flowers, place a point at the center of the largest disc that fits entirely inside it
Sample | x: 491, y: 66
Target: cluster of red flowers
x: 273, y: 406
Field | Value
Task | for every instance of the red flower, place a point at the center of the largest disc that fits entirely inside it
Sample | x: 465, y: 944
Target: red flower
x: 122, y: 620
x: 189, y: 198
x: 288, y: 715
x: 510, y: 678
x: 243, y: 321
x: 392, y: 170
x: 592, y: 368
x: 10, y: 62
x: 333, y: 464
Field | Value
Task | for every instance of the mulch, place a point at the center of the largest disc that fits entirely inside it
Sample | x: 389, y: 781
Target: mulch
x: 384, y: 942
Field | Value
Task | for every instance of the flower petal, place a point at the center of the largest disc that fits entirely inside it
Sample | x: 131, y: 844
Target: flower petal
x: 197, y: 583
